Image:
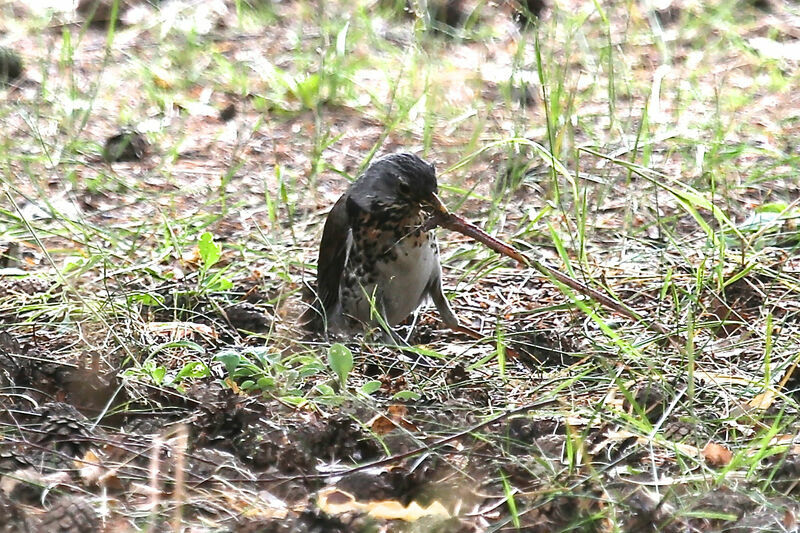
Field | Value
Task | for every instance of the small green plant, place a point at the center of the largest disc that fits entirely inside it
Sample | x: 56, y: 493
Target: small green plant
x: 263, y: 369
x: 772, y: 224
x: 160, y: 376
x: 149, y: 370
x: 210, y: 253
x: 340, y: 359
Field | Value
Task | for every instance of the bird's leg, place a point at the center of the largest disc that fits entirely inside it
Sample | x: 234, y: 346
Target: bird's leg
x: 415, y: 314
x: 436, y: 292
x: 446, y: 312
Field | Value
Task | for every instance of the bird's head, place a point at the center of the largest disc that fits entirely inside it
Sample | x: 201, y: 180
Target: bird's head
x: 397, y: 182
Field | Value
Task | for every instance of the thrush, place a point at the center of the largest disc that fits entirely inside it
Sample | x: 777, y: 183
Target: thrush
x: 377, y: 263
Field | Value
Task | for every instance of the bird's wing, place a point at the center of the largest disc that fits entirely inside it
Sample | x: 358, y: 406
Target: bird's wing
x: 332, y: 254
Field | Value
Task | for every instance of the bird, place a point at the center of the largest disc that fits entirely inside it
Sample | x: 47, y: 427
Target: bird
x: 377, y: 261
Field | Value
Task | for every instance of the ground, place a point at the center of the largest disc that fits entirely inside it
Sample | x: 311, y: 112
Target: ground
x: 165, y: 178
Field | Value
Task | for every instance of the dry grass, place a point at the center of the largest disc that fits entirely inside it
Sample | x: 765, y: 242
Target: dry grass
x: 648, y: 153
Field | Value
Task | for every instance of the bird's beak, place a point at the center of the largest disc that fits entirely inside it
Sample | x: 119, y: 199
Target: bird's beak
x: 436, y: 203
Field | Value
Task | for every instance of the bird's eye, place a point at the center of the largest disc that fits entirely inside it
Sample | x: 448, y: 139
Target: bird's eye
x: 403, y: 187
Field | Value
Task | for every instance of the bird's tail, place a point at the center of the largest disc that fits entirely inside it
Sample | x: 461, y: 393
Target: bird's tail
x: 313, y: 317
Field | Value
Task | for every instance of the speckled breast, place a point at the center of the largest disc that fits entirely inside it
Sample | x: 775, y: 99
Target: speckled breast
x: 391, y: 264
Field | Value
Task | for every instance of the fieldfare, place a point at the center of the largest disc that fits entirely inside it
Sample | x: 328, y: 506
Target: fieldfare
x: 377, y: 263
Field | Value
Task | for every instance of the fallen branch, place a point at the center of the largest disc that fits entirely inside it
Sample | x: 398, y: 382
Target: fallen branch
x: 456, y: 223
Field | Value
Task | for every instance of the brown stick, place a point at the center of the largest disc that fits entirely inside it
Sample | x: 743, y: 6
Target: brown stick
x: 456, y: 223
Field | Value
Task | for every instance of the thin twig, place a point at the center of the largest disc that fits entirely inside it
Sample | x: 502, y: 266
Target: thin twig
x: 456, y: 223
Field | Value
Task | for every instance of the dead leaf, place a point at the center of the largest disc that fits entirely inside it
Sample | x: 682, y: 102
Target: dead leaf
x: 162, y: 79
x: 232, y: 384
x: 717, y: 455
x: 383, y: 424
x: 789, y: 520
x: 394, y: 510
x: 785, y: 439
x: 263, y: 505
x: 397, y: 410
x: 334, y: 501
x: 93, y: 472
x: 181, y: 330
x: 721, y: 379
x: 763, y: 401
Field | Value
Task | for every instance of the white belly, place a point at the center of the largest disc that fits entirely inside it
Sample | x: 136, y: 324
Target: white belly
x: 399, y: 288
x: 404, y: 289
